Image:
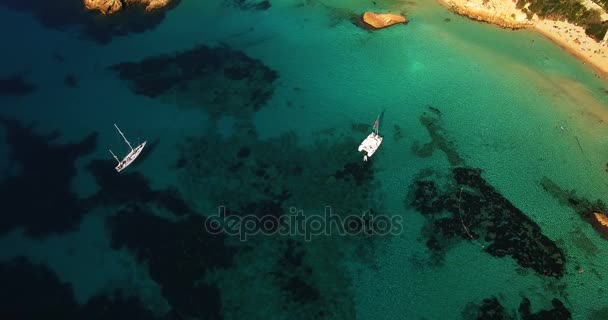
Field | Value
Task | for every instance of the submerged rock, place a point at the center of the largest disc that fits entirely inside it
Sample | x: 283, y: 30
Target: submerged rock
x: 432, y: 122
x: 382, y: 20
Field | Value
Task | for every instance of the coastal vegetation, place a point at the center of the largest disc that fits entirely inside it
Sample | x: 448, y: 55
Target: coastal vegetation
x: 570, y: 10
x: 602, y: 3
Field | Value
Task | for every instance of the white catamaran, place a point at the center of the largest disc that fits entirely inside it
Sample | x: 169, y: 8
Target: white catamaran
x: 369, y: 146
x: 129, y: 158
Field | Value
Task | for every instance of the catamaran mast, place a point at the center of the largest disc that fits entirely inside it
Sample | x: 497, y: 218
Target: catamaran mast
x: 123, y: 136
x: 377, y: 123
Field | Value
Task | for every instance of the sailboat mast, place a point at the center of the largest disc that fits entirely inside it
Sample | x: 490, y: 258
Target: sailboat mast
x: 378, y: 120
x: 115, y: 157
x: 376, y: 125
x: 123, y: 136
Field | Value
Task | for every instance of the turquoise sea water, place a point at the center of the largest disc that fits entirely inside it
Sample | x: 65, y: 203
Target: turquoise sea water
x: 511, y: 104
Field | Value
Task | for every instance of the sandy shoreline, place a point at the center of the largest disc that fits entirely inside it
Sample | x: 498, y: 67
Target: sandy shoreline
x: 567, y: 35
x: 574, y: 39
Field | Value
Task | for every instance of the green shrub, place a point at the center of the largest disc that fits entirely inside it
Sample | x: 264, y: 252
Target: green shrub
x: 597, y: 30
x: 571, y: 10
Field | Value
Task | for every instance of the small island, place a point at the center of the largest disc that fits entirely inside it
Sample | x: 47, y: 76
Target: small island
x: 113, y: 6
x: 600, y: 223
x: 382, y: 20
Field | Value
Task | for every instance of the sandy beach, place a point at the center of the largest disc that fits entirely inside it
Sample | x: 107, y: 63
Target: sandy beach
x: 574, y: 39
x: 567, y: 35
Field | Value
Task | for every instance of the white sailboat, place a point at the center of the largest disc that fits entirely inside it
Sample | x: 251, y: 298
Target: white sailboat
x: 371, y: 144
x: 131, y: 156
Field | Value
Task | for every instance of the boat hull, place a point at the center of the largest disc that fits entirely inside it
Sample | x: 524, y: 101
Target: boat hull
x: 370, y: 145
x: 129, y: 158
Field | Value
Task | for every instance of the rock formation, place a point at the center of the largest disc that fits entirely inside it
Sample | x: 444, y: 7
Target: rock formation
x: 104, y: 6
x: 502, y: 13
x: 600, y: 223
x: 112, y: 6
x: 601, y: 218
x: 151, y: 4
x: 382, y: 20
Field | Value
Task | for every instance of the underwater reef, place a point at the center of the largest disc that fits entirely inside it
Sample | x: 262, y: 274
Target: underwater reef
x: 439, y: 141
x: 491, y: 308
x: 221, y: 81
x: 490, y: 219
x: 462, y: 204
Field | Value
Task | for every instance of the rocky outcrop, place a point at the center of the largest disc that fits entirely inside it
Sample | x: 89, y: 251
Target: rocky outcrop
x: 382, y: 20
x: 498, y: 12
x: 601, y: 218
x: 112, y: 6
x: 150, y: 4
x: 104, y: 6
x: 600, y: 223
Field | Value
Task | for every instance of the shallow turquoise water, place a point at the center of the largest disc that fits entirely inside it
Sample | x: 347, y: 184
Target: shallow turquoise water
x: 503, y: 96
